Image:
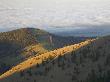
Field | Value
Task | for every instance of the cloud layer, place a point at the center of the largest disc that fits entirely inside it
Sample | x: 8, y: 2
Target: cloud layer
x: 51, y: 13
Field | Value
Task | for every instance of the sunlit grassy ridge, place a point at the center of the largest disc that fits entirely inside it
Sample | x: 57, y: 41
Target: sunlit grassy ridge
x: 40, y: 58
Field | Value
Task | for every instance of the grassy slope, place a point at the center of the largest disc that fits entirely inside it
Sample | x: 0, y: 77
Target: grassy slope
x: 39, y: 60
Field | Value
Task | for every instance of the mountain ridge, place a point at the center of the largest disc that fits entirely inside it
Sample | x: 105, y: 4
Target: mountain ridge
x: 17, y: 45
x: 64, y: 50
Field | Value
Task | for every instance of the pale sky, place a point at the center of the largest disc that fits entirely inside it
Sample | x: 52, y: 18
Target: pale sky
x: 44, y: 13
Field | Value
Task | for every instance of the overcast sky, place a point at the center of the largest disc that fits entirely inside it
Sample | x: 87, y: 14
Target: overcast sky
x: 44, y: 13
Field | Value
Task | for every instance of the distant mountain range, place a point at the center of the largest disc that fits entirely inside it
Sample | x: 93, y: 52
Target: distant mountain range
x: 82, y: 31
x: 78, y: 31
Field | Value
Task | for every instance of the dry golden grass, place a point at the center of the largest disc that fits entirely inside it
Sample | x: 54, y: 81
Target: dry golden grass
x: 31, y: 50
x: 39, y: 59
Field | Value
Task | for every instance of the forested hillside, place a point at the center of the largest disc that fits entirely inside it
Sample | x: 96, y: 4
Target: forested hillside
x: 44, y: 59
x: 21, y: 44
x: 90, y: 63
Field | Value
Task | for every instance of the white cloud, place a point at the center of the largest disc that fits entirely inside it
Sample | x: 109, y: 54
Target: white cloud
x: 20, y: 13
